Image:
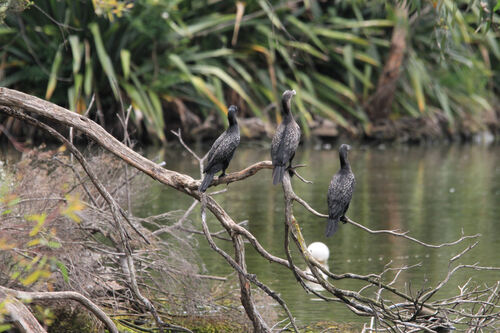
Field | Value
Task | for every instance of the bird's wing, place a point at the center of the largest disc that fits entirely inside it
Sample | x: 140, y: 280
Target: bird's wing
x: 213, y: 151
x: 227, y: 147
x: 277, y: 143
x: 222, y: 149
x: 285, y: 142
x: 340, y: 194
x: 293, y: 140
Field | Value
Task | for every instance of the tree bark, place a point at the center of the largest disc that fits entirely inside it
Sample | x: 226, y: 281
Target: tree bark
x: 20, y: 315
x: 23, y: 318
x: 379, y: 104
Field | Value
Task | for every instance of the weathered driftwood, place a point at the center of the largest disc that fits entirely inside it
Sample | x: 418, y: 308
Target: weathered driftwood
x: 20, y: 316
x: 26, y: 322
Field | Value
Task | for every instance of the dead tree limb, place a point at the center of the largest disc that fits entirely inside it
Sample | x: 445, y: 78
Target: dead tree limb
x: 406, y: 316
x: 18, y: 100
x: 52, y: 296
x: 259, y: 324
x: 20, y: 316
x: 395, y: 233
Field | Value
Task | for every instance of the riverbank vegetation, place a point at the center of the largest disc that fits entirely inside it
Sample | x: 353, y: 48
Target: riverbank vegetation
x: 58, y: 234
x: 367, y: 69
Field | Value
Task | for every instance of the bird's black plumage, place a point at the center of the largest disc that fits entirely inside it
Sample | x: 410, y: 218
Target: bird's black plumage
x: 286, y: 139
x: 340, y: 191
x: 222, y: 150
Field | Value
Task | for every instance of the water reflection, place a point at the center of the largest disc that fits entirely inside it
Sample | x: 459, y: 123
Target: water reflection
x: 434, y: 192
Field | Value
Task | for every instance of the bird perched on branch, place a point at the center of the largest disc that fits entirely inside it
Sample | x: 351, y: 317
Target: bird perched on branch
x: 286, y: 139
x: 222, y: 150
x: 340, y: 192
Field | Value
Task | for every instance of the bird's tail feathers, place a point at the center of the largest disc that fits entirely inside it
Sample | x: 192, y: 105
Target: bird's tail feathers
x: 207, y: 180
x: 331, y: 227
x: 278, y: 172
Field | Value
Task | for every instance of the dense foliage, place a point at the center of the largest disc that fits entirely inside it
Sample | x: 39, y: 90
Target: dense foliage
x: 169, y: 56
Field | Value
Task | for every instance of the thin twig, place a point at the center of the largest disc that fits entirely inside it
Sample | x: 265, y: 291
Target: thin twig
x: 237, y: 267
x: 179, y: 136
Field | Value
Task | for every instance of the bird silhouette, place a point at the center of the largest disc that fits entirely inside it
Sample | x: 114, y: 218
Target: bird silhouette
x: 340, y: 192
x: 222, y: 150
x: 285, y: 140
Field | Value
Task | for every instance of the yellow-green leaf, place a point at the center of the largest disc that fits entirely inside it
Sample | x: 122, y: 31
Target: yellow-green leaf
x: 32, y: 278
x: 125, y: 58
x: 5, y: 327
x: 104, y: 59
x: 33, y: 242
x: 224, y: 76
x: 77, y: 51
x: 51, y: 86
x: 73, y: 205
x: 63, y: 269
x: 39, y: 219
x: 339, y: 35
x: 336, y: 86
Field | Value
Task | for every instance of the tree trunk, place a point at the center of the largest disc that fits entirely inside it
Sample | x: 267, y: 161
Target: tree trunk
x: 379, y: 104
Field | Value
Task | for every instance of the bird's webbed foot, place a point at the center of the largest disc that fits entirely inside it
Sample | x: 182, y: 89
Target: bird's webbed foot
x: 222, y: 176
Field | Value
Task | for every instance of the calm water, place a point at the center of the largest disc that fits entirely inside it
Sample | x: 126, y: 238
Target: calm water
x: 434, y: 192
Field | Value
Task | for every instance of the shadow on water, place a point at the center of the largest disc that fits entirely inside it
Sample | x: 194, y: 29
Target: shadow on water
x: 434, y: 192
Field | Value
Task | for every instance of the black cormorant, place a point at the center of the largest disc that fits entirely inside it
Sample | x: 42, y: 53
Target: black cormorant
x: 340, y: 192
x: 286, y: 139
x: 222, y: 150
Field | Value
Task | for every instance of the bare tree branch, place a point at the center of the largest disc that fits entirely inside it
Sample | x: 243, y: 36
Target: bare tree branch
x: 414, y: 312
x: 257, y: 322
x: 404, y: 235
x: 63, y: 295
x: 179, y: 136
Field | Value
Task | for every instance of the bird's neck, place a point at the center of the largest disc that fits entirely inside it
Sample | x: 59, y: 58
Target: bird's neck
x: 286, y: 110
x: 344, y: 162
x: 232, y: 121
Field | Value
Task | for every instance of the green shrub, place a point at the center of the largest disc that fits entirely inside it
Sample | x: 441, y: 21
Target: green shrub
x: 160, y: 54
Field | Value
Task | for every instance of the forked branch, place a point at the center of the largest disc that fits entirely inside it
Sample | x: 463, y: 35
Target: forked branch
x: 408, y: 315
